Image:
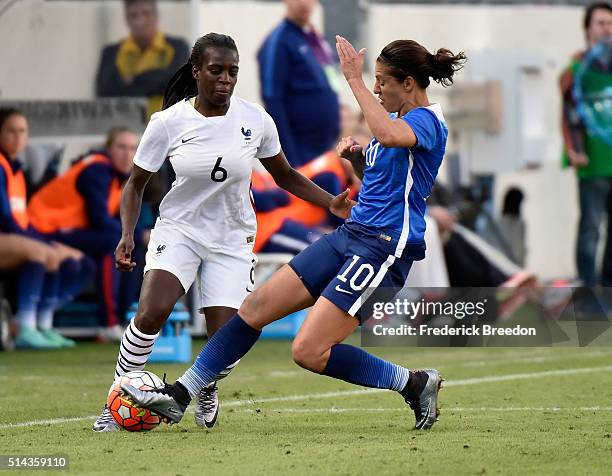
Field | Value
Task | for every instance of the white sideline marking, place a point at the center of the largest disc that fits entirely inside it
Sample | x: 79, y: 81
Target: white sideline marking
x: 54, y: 421
x: 445, y: 409
x: 545, y: 373
x: 533, y: 359
x: 345, y: 393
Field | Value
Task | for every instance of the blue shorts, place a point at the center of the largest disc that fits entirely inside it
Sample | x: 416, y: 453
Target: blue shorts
x: 349, y: 264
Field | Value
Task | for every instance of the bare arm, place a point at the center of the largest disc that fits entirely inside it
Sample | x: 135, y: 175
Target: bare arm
x: 131, y: 200
x: 294, y: 182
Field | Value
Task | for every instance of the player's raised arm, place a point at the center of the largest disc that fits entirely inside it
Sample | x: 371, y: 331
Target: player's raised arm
x: 302, y: 187
x: 389, y: 132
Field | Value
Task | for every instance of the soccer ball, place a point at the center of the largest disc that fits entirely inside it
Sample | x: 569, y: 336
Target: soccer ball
x: 127, y: 415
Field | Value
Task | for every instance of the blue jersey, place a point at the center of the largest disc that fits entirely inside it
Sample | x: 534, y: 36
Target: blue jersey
x: 397, y: 181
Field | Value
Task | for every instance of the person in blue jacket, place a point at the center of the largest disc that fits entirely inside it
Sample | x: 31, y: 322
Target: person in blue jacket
x: 297, y: 72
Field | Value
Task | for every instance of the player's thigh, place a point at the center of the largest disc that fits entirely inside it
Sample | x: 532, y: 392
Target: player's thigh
x: 16, y: 250
x: 317, y: 265
x: 325, y: 326
x: 172, y: 262
x: 283, y: 294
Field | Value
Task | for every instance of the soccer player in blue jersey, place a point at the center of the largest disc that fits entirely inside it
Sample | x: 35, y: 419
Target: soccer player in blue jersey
x: 374, y: 248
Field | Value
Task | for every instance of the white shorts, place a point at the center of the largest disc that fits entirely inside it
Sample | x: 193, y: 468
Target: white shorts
x: 225, y: 279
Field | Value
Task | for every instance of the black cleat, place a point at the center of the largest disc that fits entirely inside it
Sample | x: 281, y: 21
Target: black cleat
x: 424, y: 401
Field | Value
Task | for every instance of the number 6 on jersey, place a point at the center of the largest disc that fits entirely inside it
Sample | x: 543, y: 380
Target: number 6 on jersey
x: 218, y: 174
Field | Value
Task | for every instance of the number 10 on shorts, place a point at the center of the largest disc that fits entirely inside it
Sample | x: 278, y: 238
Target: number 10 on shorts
x: 361, y: 276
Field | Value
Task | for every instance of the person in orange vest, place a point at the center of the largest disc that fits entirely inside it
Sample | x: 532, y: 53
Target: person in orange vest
x: 80, y: 208
x: 50, y: 274
x: 276, y: 231
x: 286, y: 224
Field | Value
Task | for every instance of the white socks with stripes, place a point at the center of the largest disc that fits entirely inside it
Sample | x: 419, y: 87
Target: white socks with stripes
x: 134, y: 351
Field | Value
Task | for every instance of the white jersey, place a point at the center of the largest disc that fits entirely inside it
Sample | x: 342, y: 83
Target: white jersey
x: 213, y: 159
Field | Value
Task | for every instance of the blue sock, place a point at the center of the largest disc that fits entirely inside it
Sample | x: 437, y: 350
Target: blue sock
x: 228, y: 345
x: 49, y: 300
x: 31, y: 279
x: 87, y: 270
x: 70, y: 281
x: 355, y: 365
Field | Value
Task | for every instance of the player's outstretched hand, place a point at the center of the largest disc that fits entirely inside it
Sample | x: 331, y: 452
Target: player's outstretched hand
x: 341, y: 205
x: 351, y: 62
x: 123, y: 254
x: 347, y: 147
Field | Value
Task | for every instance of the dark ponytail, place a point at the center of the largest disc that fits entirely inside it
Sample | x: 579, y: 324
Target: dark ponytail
x: 183, y: 84
x: 409, y: 58
x: 444, y: 64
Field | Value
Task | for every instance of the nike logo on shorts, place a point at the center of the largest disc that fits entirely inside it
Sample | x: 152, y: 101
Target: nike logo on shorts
x: 339, y: 289
x: 187, y: 140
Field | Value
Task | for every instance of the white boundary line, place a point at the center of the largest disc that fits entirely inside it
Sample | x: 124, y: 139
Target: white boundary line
x: 445, y: 409
x: 345, y: 393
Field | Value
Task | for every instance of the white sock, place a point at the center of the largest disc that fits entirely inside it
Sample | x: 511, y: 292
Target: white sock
x: 45, y: 318
x: 27, y: 319
x: 134, y: 351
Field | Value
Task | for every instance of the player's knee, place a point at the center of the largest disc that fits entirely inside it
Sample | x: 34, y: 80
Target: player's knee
x: 52, y: 259
x: 307, y: 355
x: 35, y: 254
x: 151, y: 316
x: 251, y: 310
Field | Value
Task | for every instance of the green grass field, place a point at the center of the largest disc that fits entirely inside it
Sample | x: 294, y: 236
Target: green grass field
x: 504, y: 411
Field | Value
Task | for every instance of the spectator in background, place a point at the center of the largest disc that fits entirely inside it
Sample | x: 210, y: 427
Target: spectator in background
x: 50, y: 274
x: 141, y: 64
x: 81, y: 208
x: 297, y: 74
x: 591, y: 156
x: 470, y: 260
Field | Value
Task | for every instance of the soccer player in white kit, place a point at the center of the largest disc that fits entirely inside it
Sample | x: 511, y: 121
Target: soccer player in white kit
x: 207, y: 223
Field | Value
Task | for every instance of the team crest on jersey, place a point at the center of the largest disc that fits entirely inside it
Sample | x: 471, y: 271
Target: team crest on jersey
x: 246, y: 134
x: 160, y: 248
